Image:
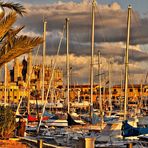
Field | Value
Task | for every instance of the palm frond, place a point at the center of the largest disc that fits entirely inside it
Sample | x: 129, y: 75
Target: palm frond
x: 14, y: 32
x: 27, y: 42
x: 21, y: 45
x: 6, y: 24
x: 10, y: 37
x: 14, y: 6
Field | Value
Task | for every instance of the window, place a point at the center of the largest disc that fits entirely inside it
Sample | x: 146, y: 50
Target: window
x: 131, y: 90
x: 81, y: 97
x: 94, y: 93
x: 87, y: 97
x: 115, y: 91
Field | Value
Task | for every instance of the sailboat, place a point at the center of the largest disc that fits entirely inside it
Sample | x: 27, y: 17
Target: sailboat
x: 123, y: 128
x: 59, y: 122
x: 116, y: 129
x: 93, y: 119
x: 127, y: 129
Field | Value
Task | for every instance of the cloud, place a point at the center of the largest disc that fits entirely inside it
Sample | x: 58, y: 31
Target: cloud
x: 110, y: 33
x: 110, y: 24
x: 80, y: 72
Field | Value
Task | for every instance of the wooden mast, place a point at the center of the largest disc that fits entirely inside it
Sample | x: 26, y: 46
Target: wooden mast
x: 100, y: 90
x: 43, y: 60
x: 110, y: 92
x: 29, y: 71
x: 126, y: 61
x: 92, y: 58
x: 5, y: 98
x: 121, y: 103
x: 67, y: 62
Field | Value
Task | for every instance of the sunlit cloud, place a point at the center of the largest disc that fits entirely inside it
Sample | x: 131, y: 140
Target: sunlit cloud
x: 110, y: 35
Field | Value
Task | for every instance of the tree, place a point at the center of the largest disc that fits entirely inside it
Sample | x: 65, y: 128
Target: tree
x: 7, y: 122
x: 13, y: 45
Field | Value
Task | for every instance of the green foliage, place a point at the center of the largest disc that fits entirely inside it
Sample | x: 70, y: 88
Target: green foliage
x: 7, y: 122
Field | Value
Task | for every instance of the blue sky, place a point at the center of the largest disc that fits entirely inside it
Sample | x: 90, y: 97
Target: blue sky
x: 139, y: 5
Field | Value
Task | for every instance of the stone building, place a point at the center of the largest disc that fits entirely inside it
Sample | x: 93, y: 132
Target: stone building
x: 25, y: 77
x: 136, y: 94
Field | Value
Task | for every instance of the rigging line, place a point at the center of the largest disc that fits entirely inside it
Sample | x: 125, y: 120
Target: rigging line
x: 138, y: 25
x: 101, y: 22
x: 17, y: 111
x: 135, y: 33
x: 50, y: 81
x: 131, y: 83
x: 137, y: 22
x: 134, y: 90
x: 137, y: 30
x: 145, y: 80
x: 121, y: 34
x: 89, y: 35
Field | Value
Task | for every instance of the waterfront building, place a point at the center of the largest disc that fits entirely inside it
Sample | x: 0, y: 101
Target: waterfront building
x: 136, y: 93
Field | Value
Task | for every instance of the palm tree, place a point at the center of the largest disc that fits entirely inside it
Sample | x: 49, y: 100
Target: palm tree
x: 6, y: 21
x: 13, y: 45
x: 14, y: 6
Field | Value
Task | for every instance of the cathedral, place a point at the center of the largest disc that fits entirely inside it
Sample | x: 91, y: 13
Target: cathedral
x: 25, y: 77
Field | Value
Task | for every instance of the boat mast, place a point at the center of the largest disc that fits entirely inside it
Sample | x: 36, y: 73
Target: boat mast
x: 121, y: 103
x: 43, y: 60
x: 100, y: 91
x: 5, y: 99
x: 29, y: 71
x: 92, y: 57
x: 67, y: 61
x: 110, y: 92
x: 126, y: 61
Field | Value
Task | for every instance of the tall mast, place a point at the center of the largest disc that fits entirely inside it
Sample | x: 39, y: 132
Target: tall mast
x: 5, y: 99
x: 92, y: 57
x: 126, y: 61
x: 67, y: 60
x: 121, y: 105
x: 100, y: 91
x: 29, y: 71
x: 141, y: 94
x: 110, y: 93
x: 43, y: 62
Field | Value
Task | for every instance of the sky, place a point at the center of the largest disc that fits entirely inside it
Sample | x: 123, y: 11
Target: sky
x: 110, y: 35
x: 139, y: 5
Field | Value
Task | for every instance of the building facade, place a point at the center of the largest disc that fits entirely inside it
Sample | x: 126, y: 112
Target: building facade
x: 136, y: 94
x: 24, y: 78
